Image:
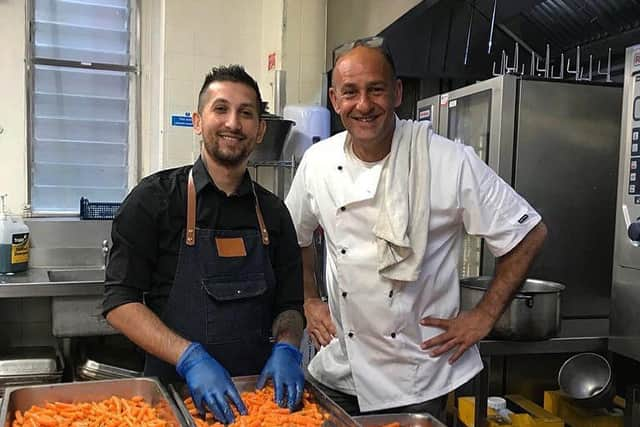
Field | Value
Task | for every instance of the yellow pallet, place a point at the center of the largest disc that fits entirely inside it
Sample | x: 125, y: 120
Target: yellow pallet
x: 532, y: 415
x: 577, y: 416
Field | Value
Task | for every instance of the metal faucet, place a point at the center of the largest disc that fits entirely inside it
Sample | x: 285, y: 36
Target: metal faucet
x: 105, y: 252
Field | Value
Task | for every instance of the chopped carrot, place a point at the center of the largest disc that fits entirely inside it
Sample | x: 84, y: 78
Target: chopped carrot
x: 112, y: 412
x: 264, y: 412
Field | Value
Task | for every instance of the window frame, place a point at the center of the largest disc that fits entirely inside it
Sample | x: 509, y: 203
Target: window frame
x: 135, y: 97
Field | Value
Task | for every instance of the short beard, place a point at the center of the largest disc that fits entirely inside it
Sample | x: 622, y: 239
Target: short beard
x: 228, y: 160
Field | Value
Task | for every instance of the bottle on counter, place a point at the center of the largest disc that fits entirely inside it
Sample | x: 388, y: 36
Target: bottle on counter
x: 14, y: 241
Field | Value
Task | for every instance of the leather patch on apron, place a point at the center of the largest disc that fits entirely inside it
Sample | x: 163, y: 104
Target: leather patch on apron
x: 230, y: 247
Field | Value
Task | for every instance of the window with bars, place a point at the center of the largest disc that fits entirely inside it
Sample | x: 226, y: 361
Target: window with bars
x: 82, y: 102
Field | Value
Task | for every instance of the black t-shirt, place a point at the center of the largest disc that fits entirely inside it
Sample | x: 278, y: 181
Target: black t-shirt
x: 148, y: 229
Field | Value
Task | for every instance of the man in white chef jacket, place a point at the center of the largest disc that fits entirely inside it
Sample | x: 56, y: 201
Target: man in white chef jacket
x: 394, y: 200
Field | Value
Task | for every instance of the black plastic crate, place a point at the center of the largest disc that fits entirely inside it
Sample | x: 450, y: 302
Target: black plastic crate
x: 98, y: 210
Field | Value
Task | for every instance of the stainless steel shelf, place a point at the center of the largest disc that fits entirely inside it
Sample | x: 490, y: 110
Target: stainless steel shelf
x: 550, y: 346
x: 35, y: 283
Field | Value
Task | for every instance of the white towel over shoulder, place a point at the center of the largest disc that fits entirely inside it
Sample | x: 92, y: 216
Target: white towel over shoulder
x: 403, y: 221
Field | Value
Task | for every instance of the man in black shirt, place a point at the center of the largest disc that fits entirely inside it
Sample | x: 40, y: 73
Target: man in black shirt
x: 215, y: 259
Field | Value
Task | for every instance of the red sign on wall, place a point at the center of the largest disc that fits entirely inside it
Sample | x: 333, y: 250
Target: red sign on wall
x: 271, y: 61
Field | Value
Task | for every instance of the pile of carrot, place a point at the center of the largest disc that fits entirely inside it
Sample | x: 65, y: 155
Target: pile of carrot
x: 112, y: 412
x: 264, y: 412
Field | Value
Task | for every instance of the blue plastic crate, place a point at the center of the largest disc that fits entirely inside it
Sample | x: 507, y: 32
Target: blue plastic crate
x: 98, y: 210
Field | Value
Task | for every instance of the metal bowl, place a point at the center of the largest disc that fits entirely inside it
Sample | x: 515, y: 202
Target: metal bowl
x: 586, y: 379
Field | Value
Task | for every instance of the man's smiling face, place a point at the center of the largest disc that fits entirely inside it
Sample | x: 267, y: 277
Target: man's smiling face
x: 229, y: 122
x: 365, y: 93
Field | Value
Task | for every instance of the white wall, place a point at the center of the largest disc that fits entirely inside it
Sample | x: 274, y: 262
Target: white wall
x: 198, y: 36
x: 270, y: 41
x: 13, y: 153
x: 305, y: 23
x: 352, y: 19
x: 152, y: 85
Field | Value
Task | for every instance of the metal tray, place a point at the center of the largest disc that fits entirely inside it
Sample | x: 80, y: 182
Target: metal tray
x: 405, y: 420
x: 337, y: 416
x: 92, y: 370
x: 25, y: 380
x: 22, y: 398
x: 26, y: 361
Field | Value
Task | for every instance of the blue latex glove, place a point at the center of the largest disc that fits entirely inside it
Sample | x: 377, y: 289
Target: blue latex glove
x: 209, y: 383
x: 283, y: 367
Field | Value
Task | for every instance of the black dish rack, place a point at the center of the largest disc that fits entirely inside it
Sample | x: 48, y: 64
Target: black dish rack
x: 98, y: 210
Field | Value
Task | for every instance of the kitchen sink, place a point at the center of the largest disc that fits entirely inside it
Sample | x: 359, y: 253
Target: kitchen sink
x: 77, y: 275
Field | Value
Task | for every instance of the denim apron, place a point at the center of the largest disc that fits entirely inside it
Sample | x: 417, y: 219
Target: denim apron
x: 222, y: 295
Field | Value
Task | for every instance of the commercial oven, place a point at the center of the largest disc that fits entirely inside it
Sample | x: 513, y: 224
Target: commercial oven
x: 625, y: 296
x: 556, y: 142
x: 429, y: 109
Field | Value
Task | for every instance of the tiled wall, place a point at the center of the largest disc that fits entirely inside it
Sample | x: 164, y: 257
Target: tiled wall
x: 245, y: 32
x: 197, y: 37
x: 25, y: 322
x: 303, y: 49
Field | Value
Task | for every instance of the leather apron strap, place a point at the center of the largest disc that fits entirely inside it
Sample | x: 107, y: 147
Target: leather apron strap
x: 261, y: 224
x: 191, y: 211
x: 190, y: 238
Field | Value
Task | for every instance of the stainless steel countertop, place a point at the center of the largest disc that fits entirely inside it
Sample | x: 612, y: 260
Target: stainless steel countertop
x: 35, y: 283
x: 576, y: 335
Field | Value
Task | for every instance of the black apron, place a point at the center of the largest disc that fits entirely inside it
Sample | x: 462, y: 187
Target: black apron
x: 222, y: 295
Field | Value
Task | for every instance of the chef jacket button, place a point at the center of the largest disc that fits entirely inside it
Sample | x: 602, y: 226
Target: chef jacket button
x: 393, y: 334
x: 344, y: 294
x: 339, y: 168
x: 342, y: 208
x: 350, y: 334
x: 343, y: 251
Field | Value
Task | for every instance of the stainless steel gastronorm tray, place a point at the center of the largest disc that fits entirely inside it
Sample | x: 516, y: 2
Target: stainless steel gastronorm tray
x: 25, y: 361
x: 22, y: 366
x: 337, y: 416
x: 92, y: 370
x: 405, y: 420
x: 22, y: 398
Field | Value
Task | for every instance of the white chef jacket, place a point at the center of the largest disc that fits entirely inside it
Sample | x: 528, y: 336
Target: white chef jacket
x: 376, y: 354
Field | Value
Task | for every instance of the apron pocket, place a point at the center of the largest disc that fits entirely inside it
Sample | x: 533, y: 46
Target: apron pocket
x: 235, y: 286
x: 235, y: 309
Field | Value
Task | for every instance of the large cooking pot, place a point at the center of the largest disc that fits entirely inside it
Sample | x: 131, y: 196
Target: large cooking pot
x: 534, y: 313
x: 277, y: 132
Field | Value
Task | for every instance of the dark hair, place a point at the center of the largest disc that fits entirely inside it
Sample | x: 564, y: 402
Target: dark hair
x: 230, y: 73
